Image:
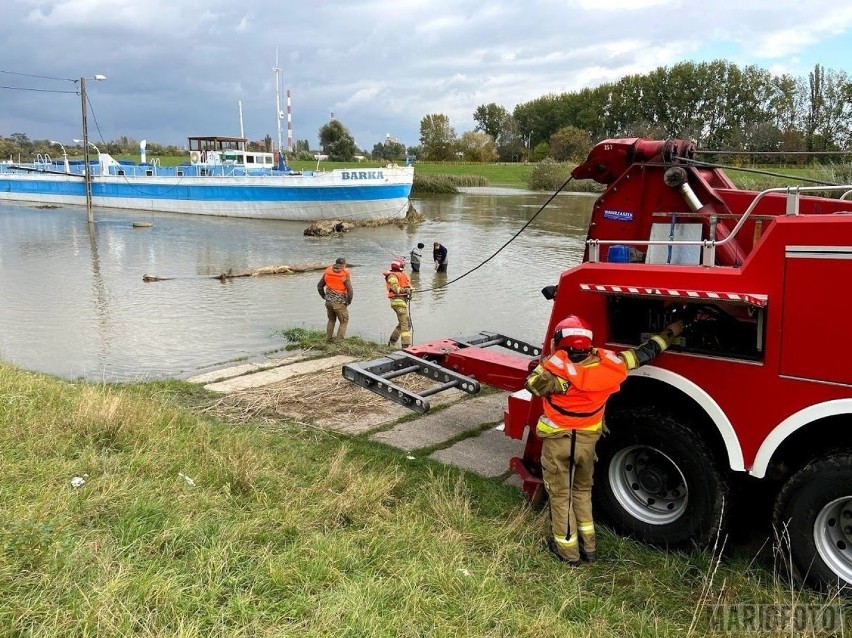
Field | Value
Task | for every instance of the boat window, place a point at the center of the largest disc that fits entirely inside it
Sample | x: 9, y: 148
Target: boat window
x: 119, y: 172
x: 149, y: 173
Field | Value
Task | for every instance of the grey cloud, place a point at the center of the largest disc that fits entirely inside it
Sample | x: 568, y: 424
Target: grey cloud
x: 179, y: 68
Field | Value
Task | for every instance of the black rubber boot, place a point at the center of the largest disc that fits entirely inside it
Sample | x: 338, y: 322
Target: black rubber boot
x: 551, y: 547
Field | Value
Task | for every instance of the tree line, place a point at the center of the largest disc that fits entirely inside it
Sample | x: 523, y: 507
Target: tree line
x: 717, y: 104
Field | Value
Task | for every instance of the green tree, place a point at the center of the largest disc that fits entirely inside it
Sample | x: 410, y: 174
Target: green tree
x: 570, y: 143
x: 22, y: 145
x: 437, y: 137
x: 477, y: 146
x: 511, y: 144
x: 832, y: 121
x: 490, y: 118
x: 337, y: 142
x: 394, y: 150
x: 540, y: 151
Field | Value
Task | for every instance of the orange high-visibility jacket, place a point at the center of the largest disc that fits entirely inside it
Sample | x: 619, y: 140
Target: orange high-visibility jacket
x: 402, y: 281
x: 334, y: 279
x: 591, y: 384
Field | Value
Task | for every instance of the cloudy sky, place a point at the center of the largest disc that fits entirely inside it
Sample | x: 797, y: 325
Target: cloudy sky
x: 181, y: 67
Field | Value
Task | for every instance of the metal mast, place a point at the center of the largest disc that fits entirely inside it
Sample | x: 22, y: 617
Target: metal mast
x: 278, y: 114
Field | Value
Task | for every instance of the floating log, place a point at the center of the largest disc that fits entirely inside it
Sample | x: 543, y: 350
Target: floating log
x: 291, y: 269
x: 326, y: 227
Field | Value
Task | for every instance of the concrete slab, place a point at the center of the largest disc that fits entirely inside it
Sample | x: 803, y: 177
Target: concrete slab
x: 434, y: 429
x: 230, y: 372
x: 224, y: 373
x: 279, y: 373
x: 487, y: 454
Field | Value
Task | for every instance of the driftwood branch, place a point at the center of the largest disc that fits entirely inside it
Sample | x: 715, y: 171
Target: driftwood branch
x: 254, y: 272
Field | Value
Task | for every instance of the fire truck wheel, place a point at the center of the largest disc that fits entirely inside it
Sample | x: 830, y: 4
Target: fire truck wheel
x: 657, y: 481
x: 813, y: 518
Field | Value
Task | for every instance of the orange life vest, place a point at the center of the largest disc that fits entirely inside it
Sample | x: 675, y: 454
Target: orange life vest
x: 334, y: 279
x: 592, y: 383
x: 402, y: 281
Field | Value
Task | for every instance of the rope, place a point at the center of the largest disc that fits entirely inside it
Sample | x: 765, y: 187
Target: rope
x: 757, y: 171
x: 499, y: 250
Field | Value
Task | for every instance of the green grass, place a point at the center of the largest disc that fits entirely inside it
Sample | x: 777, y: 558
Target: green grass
x: 294, y: 531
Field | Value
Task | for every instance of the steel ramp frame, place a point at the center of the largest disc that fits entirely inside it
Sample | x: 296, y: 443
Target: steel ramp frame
x: 451, y: 363
x: 376, y: 376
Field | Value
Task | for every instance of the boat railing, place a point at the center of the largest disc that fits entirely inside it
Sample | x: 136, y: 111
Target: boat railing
x: 708, y: 246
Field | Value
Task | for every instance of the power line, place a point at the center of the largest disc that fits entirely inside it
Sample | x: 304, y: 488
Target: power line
x: 21, y: 88
x: 41, y: 77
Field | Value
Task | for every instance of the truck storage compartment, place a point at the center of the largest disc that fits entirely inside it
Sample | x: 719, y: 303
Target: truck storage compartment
x: 714, y: 328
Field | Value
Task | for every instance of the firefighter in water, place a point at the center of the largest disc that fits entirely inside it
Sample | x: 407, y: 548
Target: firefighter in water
x: 399, y: 291
x: 575, y: 383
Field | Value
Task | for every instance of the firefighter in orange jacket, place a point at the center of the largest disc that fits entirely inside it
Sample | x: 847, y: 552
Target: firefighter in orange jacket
x: 399, y: 291
x: 575, y: 383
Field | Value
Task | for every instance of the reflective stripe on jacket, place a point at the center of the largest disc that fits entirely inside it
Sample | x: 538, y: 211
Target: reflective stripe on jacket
x: 400, y: 282
x: 590, y: 383
x: 334, y: 279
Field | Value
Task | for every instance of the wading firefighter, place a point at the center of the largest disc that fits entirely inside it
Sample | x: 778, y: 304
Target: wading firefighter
x: 399, y: 290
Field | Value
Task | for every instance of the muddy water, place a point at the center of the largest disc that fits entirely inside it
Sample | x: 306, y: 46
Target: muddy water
x: 73, y: 303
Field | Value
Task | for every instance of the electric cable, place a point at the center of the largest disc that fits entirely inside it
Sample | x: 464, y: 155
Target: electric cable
x: 40, y: 77
x: 95, y: 118
x: 21, y: 88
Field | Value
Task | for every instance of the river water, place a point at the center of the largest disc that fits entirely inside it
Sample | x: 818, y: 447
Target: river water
x: 73, y: 302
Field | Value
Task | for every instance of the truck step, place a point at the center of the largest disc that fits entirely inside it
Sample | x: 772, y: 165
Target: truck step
x: 377, y: 375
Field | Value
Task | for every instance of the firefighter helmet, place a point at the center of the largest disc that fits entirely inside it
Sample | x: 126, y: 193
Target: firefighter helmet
x: 396, y: 265
x: 572, y: 333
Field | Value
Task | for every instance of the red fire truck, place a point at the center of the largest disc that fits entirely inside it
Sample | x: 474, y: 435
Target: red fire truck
x: 758, y: 389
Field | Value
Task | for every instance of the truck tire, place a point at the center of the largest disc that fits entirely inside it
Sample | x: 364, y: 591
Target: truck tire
x: 813, y: 517
x: 656, y: 481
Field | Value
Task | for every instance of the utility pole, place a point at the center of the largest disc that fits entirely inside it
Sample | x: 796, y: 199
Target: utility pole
x: 87, y: 177
x: 87, y: 171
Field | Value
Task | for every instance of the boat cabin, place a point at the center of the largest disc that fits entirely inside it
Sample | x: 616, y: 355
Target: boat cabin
x: 227, y: 150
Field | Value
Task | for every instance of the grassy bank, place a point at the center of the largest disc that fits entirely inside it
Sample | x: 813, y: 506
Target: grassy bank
x: 189, y: 526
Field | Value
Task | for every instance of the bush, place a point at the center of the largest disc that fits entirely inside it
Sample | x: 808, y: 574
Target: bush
x: 548, y: 175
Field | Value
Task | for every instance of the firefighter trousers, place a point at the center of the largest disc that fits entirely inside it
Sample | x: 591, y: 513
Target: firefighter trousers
x: 568, y: 482
x: 403, y: 325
